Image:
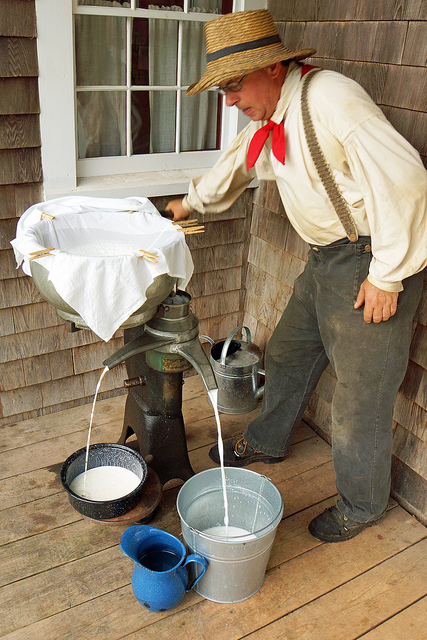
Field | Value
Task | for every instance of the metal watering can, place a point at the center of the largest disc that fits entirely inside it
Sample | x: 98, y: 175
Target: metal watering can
x: 236, y: 365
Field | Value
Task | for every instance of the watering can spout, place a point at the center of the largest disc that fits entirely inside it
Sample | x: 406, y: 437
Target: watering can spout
x: 193, y: 352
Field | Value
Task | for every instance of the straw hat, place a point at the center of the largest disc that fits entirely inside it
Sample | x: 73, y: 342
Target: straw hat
x: 238, y: 43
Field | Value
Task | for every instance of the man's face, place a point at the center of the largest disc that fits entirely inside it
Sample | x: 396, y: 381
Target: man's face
x: 259, y: 93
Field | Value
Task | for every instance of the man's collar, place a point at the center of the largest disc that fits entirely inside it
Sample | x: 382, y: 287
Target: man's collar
x: 289, y: 87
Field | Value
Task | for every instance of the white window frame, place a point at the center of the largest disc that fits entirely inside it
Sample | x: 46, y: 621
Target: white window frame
x: 63, y: 174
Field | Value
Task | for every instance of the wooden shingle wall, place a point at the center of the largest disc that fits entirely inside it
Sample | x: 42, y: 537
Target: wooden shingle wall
x: 43, y: 368
x: 382, y: 45
x: 219, y: 255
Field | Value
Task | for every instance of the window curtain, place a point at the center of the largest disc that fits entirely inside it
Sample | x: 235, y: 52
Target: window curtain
x: 100, y: 61
x: 198, y: 126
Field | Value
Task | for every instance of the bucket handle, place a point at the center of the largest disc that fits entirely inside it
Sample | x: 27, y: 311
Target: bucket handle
x: 229, y: 339
x: 196, y: 557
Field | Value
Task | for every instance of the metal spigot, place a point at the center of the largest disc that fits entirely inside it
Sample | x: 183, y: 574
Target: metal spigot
x: 134, y: 382
x: 139, y: 345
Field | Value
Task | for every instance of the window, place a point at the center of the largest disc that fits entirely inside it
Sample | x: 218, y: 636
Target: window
x: 131, y: 76
x: 114, y: 112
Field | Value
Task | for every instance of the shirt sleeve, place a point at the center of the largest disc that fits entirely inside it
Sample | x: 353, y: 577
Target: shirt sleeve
x: 393, y: 182
x: 216, y: 190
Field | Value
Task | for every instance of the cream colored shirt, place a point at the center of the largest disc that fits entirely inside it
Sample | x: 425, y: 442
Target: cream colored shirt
x: 379, y: 173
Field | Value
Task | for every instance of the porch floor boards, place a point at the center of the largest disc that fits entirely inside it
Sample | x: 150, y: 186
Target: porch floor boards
x: 63, y: 577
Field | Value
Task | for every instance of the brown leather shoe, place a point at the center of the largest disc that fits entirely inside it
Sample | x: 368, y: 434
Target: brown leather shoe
x: 238, y: 453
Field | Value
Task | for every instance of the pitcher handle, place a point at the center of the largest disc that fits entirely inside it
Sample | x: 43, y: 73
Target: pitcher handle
x: 195, y: 557
x: 229, y: 339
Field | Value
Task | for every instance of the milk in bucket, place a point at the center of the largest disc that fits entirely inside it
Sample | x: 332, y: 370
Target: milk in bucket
x: 237, y: 563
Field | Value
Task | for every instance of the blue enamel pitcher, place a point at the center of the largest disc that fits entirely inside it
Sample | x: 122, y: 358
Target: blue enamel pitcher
x: 160, y: 578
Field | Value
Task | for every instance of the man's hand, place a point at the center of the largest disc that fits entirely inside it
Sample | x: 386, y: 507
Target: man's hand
x: 179, y: 213
x: 380, y: 305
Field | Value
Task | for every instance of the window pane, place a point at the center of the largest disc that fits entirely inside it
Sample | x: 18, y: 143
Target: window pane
x: 105, y: 3
x: 100, y: 44
x: 154, y: 52
x: 159, y: 4
x: 206, y: 6
x: 163, y: 116
x: 162, y: 51
x: 140, y: 52
x: 101, y: 123
x: 200, y: 123
x: 140, y: 120
x: 203, y: 6
x: 193, y: 52
x: 153, y: 121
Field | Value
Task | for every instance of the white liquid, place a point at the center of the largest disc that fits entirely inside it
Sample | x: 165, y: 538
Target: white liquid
x: 90, y: 422
x: 105, y: 483
x: 213, y: 395
x: 236, y: 533
x: 91, y: 415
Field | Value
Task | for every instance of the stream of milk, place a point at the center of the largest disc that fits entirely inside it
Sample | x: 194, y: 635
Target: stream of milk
x: 213, y: 395
x: 91, y: 415
x: 105, y: 482
x: 79, y: 483
x: 234, y: 534
x: 90, y: 426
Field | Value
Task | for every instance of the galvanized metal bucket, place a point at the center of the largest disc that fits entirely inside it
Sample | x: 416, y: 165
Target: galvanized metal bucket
x: 236, y: 365
x: 237, y: 566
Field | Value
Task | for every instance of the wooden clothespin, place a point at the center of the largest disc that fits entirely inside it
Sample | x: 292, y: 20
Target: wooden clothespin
x: 148, y: 256
x: 189, y: 230
x: 185, y: 223
x: 41, y: 253
x: 46, y: 216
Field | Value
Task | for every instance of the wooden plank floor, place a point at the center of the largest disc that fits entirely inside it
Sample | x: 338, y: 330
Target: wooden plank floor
x: 63, y: 577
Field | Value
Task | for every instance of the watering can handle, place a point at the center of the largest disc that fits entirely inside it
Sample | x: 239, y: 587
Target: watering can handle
x: 195, y: 557
x: 229, y: 339
x: 208, y: 339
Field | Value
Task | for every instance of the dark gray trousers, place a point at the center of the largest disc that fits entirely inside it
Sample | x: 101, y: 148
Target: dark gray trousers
x: 319, y: 325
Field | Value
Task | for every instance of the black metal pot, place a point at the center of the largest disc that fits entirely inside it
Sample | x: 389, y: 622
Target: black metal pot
x: 107, y: 454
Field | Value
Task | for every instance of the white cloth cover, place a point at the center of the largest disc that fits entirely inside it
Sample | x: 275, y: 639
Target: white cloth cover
x: 103, y: 290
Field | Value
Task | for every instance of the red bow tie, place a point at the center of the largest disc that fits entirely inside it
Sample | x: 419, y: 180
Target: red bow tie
x: 259, y: 139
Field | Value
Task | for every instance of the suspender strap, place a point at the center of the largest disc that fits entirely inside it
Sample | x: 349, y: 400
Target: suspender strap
x: 323, y: 169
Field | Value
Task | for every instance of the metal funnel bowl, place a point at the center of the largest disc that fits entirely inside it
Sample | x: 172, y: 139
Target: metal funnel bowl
x: 157, y: 291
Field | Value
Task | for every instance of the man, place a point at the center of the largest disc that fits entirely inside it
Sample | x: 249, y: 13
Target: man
x: 354, y: 303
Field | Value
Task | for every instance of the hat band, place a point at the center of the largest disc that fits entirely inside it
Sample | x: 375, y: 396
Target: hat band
x: 244, y: 46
